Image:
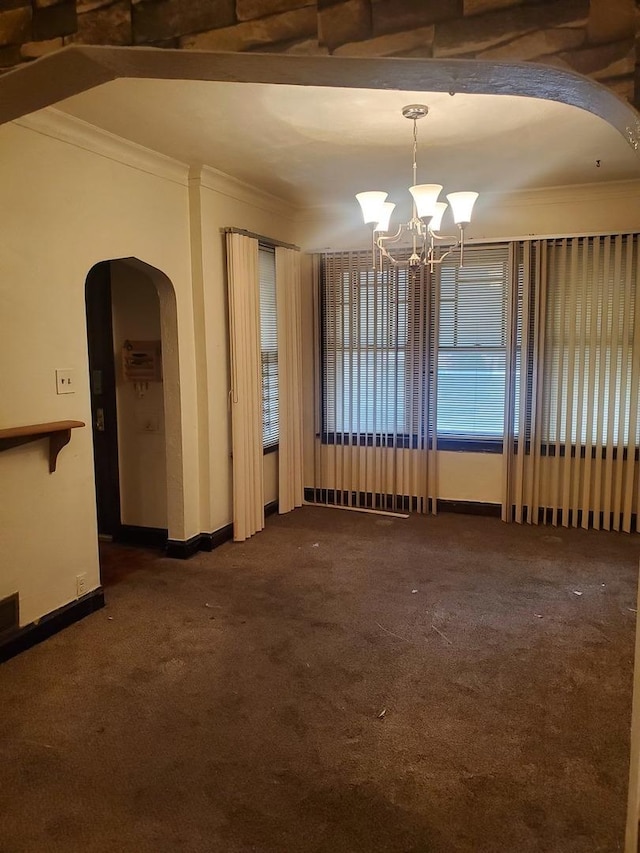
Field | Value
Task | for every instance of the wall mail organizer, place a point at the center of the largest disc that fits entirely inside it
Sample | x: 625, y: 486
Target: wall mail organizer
x: 142, y: 364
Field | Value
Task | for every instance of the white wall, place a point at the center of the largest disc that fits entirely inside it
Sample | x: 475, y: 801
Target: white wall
x: 141, y: 430
x: 63, y: 208
x: 607, y: 208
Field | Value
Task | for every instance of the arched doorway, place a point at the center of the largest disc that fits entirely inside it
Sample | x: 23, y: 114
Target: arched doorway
x: 132, y: 351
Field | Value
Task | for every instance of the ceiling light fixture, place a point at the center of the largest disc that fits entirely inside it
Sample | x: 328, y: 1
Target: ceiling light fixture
x: 426, y: 219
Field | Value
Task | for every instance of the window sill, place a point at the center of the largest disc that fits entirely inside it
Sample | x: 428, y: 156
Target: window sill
x: 471, y: 445
x: 412, y: 442
x: 272, y: 448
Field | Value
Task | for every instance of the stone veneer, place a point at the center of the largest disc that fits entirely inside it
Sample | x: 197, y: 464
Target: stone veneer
x: 597, y: 38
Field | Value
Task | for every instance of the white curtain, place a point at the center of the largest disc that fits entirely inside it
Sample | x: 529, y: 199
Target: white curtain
x: 288, y: 297
x: 246, y: 385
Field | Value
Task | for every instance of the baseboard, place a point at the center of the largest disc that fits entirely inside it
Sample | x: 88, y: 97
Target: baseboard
x: 182, y: 549
x: 146, y: 537
x: 271, y: 508
x: 217, y: 538
x: 30, y: 635
x: 471, y: 508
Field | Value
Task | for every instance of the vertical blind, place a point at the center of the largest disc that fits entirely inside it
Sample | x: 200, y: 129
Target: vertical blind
x: 578, y: 462
x: 290, y: 416
x: 532, y: 346
x: 246, y: 420
x: 268, y: 345
x: 373, y: 353
x: 376, y: 357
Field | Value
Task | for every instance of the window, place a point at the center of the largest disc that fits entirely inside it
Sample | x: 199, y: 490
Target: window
x: 372, y: 364
x: 269, y: 347
x: 379, y: 329
x: 472, y: 344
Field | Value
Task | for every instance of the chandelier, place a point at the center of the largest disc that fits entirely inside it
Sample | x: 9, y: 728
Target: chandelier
x: 424, y: 226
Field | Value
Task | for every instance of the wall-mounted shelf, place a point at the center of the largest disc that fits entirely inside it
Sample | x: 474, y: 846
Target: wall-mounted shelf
x: 58, y: 433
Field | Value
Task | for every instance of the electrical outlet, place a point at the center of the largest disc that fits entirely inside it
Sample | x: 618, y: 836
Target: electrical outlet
x: 81, y: 584
x: 65, y: 382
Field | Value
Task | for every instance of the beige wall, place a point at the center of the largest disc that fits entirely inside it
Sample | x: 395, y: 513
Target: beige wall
x: 270, y: 477
x: 63, y: 209
x: 72, y: 197
x: 141, y: 430
x: 584, y: 209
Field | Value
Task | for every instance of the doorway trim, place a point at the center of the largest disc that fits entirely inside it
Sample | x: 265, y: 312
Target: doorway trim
x: 171, y: 387
x: 102, y: 386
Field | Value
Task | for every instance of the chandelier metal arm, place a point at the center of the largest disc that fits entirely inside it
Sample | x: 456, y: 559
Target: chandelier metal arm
x: 391, y: 238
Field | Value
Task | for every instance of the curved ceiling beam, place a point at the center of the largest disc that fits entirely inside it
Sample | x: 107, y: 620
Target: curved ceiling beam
x: 75, y: 69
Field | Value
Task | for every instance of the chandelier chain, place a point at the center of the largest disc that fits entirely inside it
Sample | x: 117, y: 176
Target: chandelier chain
x: 415, y: 151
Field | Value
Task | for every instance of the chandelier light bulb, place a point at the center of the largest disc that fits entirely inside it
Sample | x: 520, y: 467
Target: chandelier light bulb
x: 371, y: 204
x: 385, y: 215
x: 436, y: 219
x: 461, y: 206
x: 425, y: 197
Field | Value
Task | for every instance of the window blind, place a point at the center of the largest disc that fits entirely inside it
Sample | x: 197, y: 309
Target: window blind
x: 580, y: 466
x: 591, y: 305
x: 375, y: 385
x: 373, y: 352
x: 268, y: 346
x: 472, y: 343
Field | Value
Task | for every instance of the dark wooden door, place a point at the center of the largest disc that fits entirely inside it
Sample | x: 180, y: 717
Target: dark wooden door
x: 103, y: 397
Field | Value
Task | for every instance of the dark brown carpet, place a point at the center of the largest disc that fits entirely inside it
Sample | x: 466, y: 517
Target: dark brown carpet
x: 341, y: 682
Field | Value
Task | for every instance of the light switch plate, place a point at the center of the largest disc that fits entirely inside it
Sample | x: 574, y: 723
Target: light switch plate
x: 65, y: 382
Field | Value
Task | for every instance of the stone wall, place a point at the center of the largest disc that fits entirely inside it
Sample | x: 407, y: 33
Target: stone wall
x: 598, y: 38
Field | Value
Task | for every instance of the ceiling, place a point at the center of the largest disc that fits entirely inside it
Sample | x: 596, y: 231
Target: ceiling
x: 313, y: 145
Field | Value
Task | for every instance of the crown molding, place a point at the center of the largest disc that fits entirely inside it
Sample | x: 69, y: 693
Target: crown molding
x: 74, y: 131
x: 220, y: 182
x: 544, y: 196
x: 567, y: 194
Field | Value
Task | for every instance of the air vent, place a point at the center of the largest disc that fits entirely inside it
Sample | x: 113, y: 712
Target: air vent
x: 9, y: 615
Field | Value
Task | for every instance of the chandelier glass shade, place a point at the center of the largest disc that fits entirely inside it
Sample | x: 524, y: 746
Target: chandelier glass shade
x: 423, y: 228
